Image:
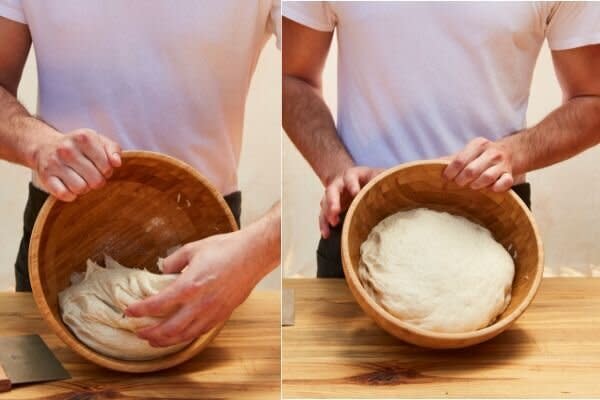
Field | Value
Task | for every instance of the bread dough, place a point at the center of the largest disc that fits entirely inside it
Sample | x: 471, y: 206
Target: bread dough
x: 93, y: 307
x: 436, y: 270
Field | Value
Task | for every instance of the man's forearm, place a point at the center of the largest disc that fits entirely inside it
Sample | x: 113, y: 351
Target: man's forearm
x: 19, y: 131
x: 567, y: 131
x: 265, y: 235
x: 309, y: 124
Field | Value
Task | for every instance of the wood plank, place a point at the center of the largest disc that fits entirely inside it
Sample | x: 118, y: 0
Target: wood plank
x: 243, y: 362
x: 335, y: 350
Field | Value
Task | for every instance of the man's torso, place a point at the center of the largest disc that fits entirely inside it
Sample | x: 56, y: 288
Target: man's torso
x: 419, y: 80
x: 155, y: 75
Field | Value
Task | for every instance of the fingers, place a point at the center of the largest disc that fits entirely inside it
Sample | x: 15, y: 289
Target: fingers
x: 75, y: 183
x: 176, y: 261
x: 504, y: 183
x: 356, y: 178
x: 474, y: 169
x: 113, y: 152
x: 482, y: 164
x: 77, y: 162
x: 352, y: 180
x: 365, y: 174
x: 163, y: 303
x: 339, y: 193
x: 196, y: 329
x: 323, y: 224
x: 91, y: 155
x: 84, y: 168
x: 487, y: 178
x: 92, y: 146
x: 58, y: 189
x: 333, y: 208
x: 171, y: 328
x: 473, y: 150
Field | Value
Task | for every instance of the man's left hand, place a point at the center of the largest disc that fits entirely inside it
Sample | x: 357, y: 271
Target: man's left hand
x: 482, y: 164
x: 216, y: 278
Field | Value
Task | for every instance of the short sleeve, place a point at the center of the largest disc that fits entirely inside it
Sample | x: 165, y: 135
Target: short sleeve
x: 274, y: 25
x: 313, y: 14
x: 13, y: 10
x: 573, y: 24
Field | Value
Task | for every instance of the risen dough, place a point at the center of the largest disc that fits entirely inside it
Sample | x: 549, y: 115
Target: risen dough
x: 435, y: 270
x: 93, y: 308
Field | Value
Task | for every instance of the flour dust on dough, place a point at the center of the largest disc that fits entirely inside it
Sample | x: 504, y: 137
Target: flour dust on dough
x: 93, y: 307
x: 437, y: 271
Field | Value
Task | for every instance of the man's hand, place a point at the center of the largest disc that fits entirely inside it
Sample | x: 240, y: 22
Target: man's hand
x: 72, y: 164
x: 217, y: 277
x: 483, y: 164
x: 339, y: 194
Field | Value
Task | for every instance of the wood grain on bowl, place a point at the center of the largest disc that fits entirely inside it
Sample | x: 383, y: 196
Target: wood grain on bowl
x: 421, y: 184
x: 152, y: 203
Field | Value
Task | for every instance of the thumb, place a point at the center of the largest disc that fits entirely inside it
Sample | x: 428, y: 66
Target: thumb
x: 113, y: 152
x: 176, y: 261
x: 366, y: 174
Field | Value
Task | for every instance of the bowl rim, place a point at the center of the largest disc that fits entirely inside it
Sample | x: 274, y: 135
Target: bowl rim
x: 371, y: 305
x: 61, y: 330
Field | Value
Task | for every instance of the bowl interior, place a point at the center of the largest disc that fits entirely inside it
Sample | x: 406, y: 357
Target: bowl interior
x: 151, y: 204
x: 422, y: 185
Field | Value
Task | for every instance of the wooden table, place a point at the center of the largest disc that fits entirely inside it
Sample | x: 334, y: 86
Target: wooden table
x: 243, y: 362
x: 335, y: 350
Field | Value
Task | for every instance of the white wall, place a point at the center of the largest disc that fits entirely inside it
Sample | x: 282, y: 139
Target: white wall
x: 566, y: 197
x: 259, y: 177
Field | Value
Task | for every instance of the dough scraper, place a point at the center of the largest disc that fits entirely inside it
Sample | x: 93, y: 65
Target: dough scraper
x: 27, y: 359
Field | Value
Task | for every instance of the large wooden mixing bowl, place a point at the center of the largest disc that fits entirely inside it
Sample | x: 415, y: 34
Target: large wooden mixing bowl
x: 421, y: 184
x: 152, y: 203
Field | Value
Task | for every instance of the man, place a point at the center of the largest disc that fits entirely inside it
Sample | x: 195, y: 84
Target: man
x: 423, y: 80
x: 162, y: 76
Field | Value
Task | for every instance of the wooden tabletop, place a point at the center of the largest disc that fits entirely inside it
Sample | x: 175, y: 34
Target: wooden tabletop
x: 243, y: 362
x: 335, y: 350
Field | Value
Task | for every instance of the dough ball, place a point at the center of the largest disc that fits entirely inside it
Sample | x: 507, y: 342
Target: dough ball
x: 437, y: 271
x: 93, y: 308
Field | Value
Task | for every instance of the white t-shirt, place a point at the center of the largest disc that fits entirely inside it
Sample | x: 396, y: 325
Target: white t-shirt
x: 168, y: 76
x: 419, y: 80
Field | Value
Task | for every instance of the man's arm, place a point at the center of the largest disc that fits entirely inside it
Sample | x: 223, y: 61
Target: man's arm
x: 13, y: 54
x: 306, y: 118
x: 565, y: 132
x: 220, y: 272
x: 68, y: 165
x: 309, y: 124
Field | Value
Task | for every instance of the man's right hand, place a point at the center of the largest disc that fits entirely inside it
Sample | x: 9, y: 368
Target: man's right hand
x: 72, y: 164
x: 339, y: 194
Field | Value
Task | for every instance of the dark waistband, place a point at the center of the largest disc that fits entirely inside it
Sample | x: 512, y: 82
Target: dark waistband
x: 37, y: 197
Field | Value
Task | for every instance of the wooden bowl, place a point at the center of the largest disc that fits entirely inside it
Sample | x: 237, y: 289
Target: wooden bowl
x: 152, y: 203
x: 421, y: 184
